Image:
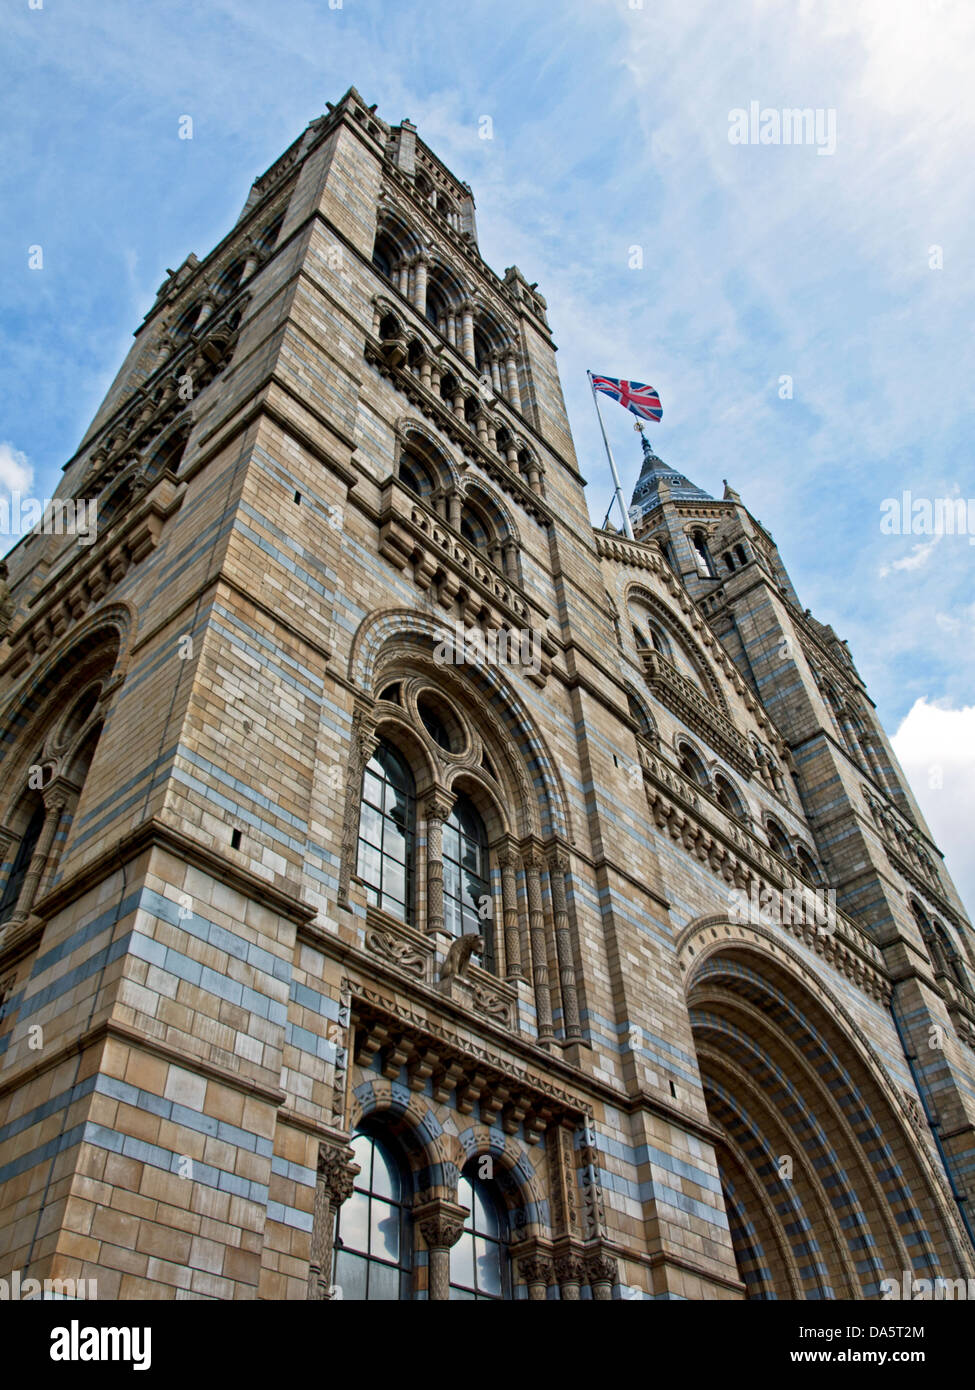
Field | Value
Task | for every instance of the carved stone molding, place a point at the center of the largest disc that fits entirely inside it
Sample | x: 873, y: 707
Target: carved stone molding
x: 397, y: 952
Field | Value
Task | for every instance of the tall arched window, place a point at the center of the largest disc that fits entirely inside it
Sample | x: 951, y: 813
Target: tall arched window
x: 415, y: 475
x: 466, y: 875
x: 25, y: 852
x: 728, y: 797
x: 374, y: 1238
x: 479, y: 1266
x: 778, y: 840
x: 387, y: 831
x: 692, y: 767
x: 703, y: 555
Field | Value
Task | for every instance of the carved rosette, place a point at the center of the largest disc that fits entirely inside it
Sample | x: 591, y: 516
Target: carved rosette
x: 335, y: 1180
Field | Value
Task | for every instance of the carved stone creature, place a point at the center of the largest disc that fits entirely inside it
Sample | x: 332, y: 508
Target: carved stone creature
x: 459, y: 956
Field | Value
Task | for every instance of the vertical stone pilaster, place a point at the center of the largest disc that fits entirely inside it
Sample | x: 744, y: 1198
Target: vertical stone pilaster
x: 441, y: 1224
x: 602, y: 1271
x: 539, y: 948
x: 336, y: 1177
x: 508, y: 860
x: 364, y: 744
x: 436, y: 810
x: 557, y: 870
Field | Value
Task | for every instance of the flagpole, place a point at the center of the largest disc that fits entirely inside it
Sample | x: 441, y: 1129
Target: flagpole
x: 627, y: 528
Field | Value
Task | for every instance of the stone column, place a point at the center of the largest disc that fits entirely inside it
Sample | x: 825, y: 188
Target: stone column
x: 557, y: 870
x: 441, y: 1223
x: 420, y: 284
x: 206, y: 310
x: 336, y: 1176
x: 536, y: 1270
x: 435, y: 811
x: 454, y: 504
x: 510, y: 553
x: 459, y: 403
x: 55, y: 800
x: 426, y: 372
x: 403, y: 278
x: 511, y: 372
x: 364, y: 744
x: 601, y: 1269
x: 467, y: 330
x: 496, y: 375
x: 536, y: 918
x: 570, y: 1272
x: 508, y: 860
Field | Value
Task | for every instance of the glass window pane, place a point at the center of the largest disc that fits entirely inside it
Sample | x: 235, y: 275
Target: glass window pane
x: 488, y: 1257
x: 461, y: 1295
x: 372, y: 789
x: 369, y: 863
x: 371, y: 826
x: 394, y: 880
x: 353, y: 1222
x: 384, y: 1283
x: 394, y: 842
x: 384, y: 1227
x: 485, y: 1213
x: 361, y: 1146
x: 385, y: 1173
x: 350, y: 1275
x: 462, y: 1261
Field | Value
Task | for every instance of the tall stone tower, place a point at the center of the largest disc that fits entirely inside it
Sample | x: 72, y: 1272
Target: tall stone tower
x: 411, y: 892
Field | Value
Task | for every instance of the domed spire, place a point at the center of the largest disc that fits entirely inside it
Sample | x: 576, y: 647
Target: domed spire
x: 658, y: 482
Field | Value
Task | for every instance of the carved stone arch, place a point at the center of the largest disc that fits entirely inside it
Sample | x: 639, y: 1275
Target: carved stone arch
x: 409, y: 430
x: 768, y: 954
x: 397, y: 730
x: 545, y: 804
x: 475, y: 785
x: 516, y: 1178
x: 682, y: 634
x: 99, y: 645
x: 391, y: 221
x: 410, y: 1120
x: 454, y: 288
x: 639, y: 710
x: 402, y: 661
x: 499, y: 331
x: 485, y: 496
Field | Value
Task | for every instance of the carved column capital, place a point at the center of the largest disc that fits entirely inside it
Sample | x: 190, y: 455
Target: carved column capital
x: 441, y: 1222
x: 437, y: 805
x: 602, y: 1271
x: 337, y: 1172
x: 536, y: 1270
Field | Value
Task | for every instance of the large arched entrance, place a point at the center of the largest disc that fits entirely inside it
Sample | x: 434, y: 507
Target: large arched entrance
x: 827, y: 1187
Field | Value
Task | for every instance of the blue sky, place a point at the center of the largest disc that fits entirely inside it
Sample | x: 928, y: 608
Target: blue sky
x: 610, y: 131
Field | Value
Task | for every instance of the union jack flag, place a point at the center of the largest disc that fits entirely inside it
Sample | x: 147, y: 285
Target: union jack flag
x: 642, y: 400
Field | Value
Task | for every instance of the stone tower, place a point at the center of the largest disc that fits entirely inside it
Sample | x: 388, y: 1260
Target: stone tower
x: 410, y: 891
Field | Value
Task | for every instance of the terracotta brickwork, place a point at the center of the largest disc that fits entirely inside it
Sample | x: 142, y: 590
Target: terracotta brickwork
x: 338, y: 442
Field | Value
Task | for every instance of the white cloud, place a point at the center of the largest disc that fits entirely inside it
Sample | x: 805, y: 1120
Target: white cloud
x: 16, y: 473
x: 919, y: 556
x: 936, y: 748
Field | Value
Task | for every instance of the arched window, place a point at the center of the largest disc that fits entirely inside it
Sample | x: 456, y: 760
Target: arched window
x: 374, y: 1238
x: 703, y: 555
x: 414, y: 474
x: 728, y: 797
x: 482, y: 351
x: 25, y: 852
x: 807, y: 865
x: 692, y: 767
x: 740, y: 552
x: 659, y: 640
x: 466, y: 875
x: 436, y: 307
x: 479, y: 1265
x: 385, y: 256
x: 778, y: 840
x: 640, y: 718
x: 387, y: 831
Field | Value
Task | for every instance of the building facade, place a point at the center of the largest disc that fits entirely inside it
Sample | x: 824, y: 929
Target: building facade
x: 411, y: 891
